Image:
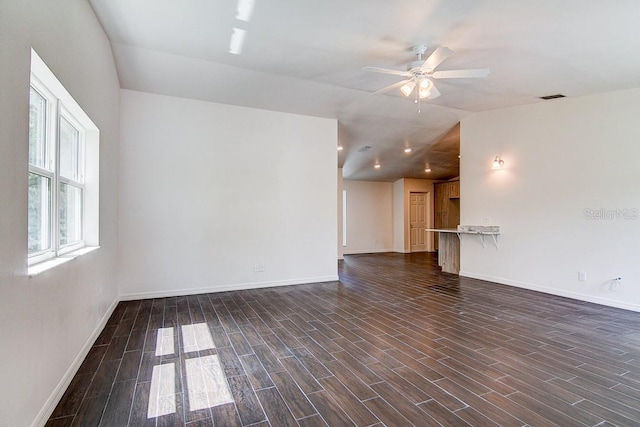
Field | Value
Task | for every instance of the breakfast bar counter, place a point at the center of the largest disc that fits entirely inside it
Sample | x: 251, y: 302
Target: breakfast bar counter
x: 449, y: 247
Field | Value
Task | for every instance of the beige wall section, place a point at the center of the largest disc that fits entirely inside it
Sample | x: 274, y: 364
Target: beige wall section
x: 565, y: 162
x: 369, y: 217
x: 401, y: 192
x: 48, y: 321
x: 398, y: 216
x: 378, y: 215
x: 418, y: 186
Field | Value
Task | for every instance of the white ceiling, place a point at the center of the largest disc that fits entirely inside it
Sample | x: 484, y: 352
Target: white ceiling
x: 305, y: 57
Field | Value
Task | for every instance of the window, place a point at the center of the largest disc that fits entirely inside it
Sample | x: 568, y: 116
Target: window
x: 63, y: 170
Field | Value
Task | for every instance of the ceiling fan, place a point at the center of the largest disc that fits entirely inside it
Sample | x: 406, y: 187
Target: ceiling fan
x: 420, y: 72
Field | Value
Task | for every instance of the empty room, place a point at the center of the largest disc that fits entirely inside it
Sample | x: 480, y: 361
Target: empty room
x: 291, y: 213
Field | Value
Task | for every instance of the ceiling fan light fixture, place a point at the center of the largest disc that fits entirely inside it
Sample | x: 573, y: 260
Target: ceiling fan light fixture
x: 408, y: 88
x: 424, y: 88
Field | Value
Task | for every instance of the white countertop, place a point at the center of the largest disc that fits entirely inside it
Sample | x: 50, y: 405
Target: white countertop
x: 455, y: 230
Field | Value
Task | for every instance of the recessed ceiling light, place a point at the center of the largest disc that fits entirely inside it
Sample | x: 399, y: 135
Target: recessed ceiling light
x: 237, y: 40
x: 427, y: 170
x: 377, y: 166
x: 340, y: 148
x: 407, y: 150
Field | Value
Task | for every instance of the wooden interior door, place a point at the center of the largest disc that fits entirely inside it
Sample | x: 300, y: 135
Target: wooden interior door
x: 417, y: 222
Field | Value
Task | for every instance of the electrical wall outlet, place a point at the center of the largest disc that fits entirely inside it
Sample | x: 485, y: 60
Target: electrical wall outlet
x: 582, y: 276
x: 258, y: 268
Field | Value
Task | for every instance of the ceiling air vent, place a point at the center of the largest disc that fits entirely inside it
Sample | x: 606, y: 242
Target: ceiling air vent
x: 558, y: 95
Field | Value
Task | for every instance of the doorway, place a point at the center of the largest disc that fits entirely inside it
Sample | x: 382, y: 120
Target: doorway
x: 417, y: 221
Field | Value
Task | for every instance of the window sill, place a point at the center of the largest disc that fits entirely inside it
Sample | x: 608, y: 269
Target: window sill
x: 47, y: 265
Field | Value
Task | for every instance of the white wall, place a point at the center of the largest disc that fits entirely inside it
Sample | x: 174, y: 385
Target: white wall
x: 48, y: 321
x: 207, y: 191
x: 561, y: 157
x: 340, y: 214
x: 369, y: 217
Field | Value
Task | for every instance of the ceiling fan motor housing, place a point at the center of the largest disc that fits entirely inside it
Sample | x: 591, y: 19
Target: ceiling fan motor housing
x: 419, y: 49
x: 415, y: 65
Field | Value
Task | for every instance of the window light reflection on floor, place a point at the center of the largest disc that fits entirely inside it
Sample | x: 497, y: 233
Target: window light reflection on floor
x: 206, y: 383
x: 162, y: 396
x: 196, y: 337
x: 164, y: 342
x: 205, y: 380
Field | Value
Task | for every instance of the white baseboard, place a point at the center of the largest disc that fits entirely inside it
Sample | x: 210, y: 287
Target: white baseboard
x: 379, y: 251
x: 225, y: 288
x: 552, y: 291
x: 366, y: 251
x: 57, y: 393
x: 49, y: 406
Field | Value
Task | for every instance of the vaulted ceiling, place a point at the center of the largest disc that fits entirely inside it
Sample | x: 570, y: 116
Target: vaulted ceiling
x: 306, y: 57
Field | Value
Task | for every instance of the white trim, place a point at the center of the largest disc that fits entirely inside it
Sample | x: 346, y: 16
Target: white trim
x: 62, y: 106
x: 552, y: 291
x: 367, y: 251
x: 57, y: 393
x: 344, y: 218
x: 42, y: 71
x: 43, y: 266
x: 226, y: 288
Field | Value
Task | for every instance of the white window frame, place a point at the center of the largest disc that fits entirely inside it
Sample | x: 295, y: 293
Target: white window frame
x: 60, y: 104
x: 66, y: 114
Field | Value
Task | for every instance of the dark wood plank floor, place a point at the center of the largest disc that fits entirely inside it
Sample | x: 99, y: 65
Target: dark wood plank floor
x: 394, y: 343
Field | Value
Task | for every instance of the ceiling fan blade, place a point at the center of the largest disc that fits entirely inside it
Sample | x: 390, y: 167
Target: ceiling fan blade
x: 391, y: 87
x: 434, y: 92
x: 461, y: 74
x: 387, y: 71
x: 436, y: 58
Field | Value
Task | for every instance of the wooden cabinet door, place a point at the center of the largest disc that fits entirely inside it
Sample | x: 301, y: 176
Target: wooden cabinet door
x: 454, y: 190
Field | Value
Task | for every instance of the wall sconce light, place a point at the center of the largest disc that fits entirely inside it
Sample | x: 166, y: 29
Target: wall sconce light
x: 498, y: 163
